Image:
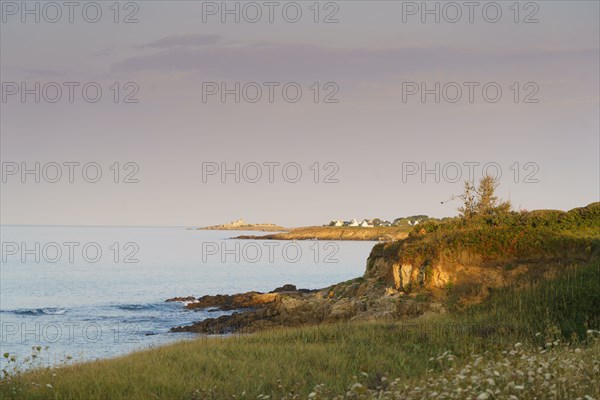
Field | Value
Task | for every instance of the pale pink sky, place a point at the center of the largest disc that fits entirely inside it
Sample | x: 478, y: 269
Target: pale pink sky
x: 369, y: 54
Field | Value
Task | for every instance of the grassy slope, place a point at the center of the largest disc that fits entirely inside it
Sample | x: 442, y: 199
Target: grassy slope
x: 279, y: 361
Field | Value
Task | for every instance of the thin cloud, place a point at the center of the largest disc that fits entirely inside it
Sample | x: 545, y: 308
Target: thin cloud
x: 186, y: 40
x: 272, y: 61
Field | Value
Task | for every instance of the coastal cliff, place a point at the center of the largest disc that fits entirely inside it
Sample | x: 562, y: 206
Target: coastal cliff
x: 438, y: 267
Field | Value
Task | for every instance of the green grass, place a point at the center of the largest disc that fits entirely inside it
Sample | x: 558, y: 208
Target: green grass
x: 542, y: 235
x: 570, y: 303
x: 282, y: 361
x: 295, y: 359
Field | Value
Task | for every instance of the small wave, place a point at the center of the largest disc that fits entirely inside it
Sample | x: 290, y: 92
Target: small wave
x: 133, y: 307
x: 41, y: 311
x: 136, y: 307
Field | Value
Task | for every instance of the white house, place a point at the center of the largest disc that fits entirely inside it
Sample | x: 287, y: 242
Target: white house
x: 366, y: 223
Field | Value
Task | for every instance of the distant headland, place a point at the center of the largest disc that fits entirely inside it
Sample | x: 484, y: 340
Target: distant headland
x: 241, y: 225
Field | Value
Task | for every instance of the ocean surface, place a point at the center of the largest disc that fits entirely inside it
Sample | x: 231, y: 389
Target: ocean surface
x: 83, y: 293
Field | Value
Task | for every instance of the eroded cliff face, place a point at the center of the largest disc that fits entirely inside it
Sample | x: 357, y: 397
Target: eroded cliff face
x: 469, y: 273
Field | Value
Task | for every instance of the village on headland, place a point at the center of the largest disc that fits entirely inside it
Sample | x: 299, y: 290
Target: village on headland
x: 378, y: 222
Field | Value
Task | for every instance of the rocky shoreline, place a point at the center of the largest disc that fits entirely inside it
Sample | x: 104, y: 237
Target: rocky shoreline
x: 291, y: 307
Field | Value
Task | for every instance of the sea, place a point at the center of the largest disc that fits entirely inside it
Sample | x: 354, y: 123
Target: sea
x: 79, y: 293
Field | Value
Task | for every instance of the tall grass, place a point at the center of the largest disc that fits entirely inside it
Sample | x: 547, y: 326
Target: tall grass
x: 290, y: 363
x: 571, y: 302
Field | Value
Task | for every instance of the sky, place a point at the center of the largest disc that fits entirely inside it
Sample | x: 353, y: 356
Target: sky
x: 293, y: 113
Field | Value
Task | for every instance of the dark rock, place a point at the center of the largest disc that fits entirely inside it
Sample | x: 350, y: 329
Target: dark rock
x: 285, y: 288
x: 174, y: 299
x: 236, y: 322
x: 225, y: 302
x: 292, y: 309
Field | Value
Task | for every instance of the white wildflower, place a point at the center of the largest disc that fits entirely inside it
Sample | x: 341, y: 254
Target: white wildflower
x: 358, y: 388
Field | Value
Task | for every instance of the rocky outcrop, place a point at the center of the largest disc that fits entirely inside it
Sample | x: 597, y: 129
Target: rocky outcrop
x: 233, y: 302
x: 286, y: 288
x: 181, y: 299
x: 288, y: 306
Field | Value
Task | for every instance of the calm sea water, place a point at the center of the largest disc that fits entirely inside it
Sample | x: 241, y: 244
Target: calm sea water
x: 96, y: 292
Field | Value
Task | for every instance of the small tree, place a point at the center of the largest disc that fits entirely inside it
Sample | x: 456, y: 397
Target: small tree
x: 482, y: 201
x: 468, y: 197
x: 487, y: 201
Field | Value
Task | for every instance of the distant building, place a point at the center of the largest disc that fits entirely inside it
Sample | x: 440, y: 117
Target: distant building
x: 377, y: 222
x: 366, y: 223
